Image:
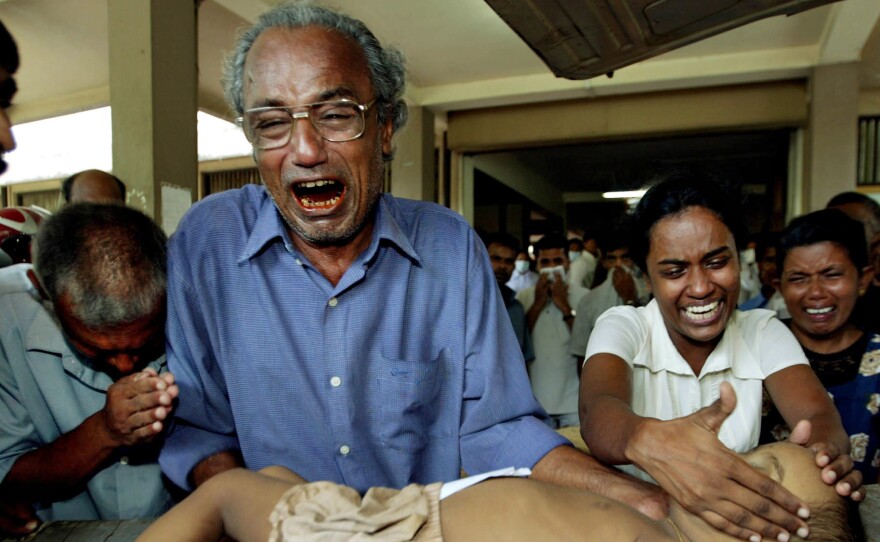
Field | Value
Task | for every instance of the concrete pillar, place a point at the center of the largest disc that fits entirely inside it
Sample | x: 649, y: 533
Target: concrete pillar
x: 153, y: 96
x: 412, y: 171
x: 832, y: 136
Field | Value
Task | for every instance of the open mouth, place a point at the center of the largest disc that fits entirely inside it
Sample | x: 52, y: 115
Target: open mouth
x: 818, y: 313
x: 702, y: 313
x: 320, y: 194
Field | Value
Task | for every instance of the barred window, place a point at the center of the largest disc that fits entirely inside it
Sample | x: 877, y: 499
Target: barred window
x: 218, y: 181
x: 869, y: 151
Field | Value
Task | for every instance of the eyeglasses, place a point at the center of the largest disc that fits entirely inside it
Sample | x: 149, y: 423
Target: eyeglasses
x: 270, y: 127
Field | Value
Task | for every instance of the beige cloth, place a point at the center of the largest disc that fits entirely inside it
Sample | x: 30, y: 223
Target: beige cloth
x: 329, y: 512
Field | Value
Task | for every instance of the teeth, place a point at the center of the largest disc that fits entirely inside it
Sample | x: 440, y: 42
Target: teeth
x: 314, y: 184
x: 823, y: 310
x: 329, y: 203
x: 702, y: 312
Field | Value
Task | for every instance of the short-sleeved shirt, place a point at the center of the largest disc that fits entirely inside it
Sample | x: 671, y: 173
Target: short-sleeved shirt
x: 754, y: 346
x: 407, y: 370
x: 46, y: 390
x: 554, y: 371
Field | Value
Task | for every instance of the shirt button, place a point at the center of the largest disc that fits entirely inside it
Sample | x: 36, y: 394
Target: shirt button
x: 335, y: 381
x: 344, y: 449
x: 333, y: 302
x: 298, y: 262
x: 124, y: 460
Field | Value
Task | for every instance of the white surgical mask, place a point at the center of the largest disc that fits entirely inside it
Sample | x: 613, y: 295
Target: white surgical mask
x: 573, y: 255
x: 521, y: 265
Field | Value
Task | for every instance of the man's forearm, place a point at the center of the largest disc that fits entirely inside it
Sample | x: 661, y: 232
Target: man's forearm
x: 61, y: 468
x: 214, y: 465
x: 568, y: 466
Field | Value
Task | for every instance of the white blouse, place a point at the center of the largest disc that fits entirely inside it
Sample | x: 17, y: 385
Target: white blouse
x: 754, y: 345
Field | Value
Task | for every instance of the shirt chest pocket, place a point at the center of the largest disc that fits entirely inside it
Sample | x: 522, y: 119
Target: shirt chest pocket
x: 407, y: 394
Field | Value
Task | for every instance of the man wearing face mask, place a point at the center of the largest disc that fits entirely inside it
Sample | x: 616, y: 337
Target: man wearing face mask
x: 522, y: 277
x: 549, y: 312
x: 624, y: 285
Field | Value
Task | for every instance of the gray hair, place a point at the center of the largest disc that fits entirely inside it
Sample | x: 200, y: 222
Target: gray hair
x: 386, y: 64
x: 109, y: 259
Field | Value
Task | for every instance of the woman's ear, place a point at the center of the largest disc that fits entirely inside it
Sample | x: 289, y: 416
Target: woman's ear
x: 865, y: 279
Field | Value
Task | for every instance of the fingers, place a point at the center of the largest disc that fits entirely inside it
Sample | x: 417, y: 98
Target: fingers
x: 17, y: 518
x: 769, y: 509
x: 748, y: 505
x: 138, y: 404
x: 747, y: 526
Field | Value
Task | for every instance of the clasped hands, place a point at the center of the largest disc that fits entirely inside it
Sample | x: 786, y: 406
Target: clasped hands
x: 137, y: 406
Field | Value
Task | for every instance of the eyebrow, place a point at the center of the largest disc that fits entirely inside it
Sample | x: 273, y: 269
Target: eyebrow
x: 780, y: 470
x: 326, y: 95
x: 707, y: 256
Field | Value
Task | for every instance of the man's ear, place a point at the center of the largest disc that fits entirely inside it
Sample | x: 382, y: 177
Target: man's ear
x: 36, y: 282
x: 387, y: 133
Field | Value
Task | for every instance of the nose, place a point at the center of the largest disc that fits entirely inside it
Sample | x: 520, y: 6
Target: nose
x: 7, y: 140
x: 699, y: 285
x: 307, y: 143
x: 814, y: 288
x: 123, y: 362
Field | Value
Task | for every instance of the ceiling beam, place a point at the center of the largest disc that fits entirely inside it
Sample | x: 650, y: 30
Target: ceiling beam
x: 847, y: 29
x: 649, y: 76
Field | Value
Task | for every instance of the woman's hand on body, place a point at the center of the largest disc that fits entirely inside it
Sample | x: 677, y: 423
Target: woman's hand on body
x: 686, y: 458
x: 836, y: 465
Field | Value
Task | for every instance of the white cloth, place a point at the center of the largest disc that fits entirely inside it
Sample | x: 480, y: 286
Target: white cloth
x: 520, y: 281
x: 754, y: 346
x: 582, y: 270
x: 591, y: 307
x: 553, y: 373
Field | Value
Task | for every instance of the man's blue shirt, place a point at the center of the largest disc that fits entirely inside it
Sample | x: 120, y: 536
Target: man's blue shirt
x: 47, y: 391
x: 407, y: 370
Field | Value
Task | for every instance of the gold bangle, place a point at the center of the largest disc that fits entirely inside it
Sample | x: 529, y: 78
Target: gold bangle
x: 677, y: 531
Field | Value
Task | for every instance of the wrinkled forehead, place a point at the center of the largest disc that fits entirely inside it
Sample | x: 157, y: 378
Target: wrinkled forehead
x: 304, y: 64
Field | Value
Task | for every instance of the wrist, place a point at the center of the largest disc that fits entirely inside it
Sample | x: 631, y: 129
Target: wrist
x: 639, y: 442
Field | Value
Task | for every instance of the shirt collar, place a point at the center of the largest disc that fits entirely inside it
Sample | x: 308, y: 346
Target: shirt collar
x: 731, y: 352
x: 387, y: 229
x: 45, y: 335
x: 269, y: 226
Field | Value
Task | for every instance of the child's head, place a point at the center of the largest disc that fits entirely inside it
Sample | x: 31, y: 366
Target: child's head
x: 832, y: 518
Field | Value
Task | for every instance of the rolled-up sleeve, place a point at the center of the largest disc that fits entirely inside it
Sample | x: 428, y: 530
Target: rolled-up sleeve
x: 501, y: 420
x: 17, y: 433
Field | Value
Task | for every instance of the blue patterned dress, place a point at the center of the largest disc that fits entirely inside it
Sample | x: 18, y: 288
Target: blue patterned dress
x: 852, y: 378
